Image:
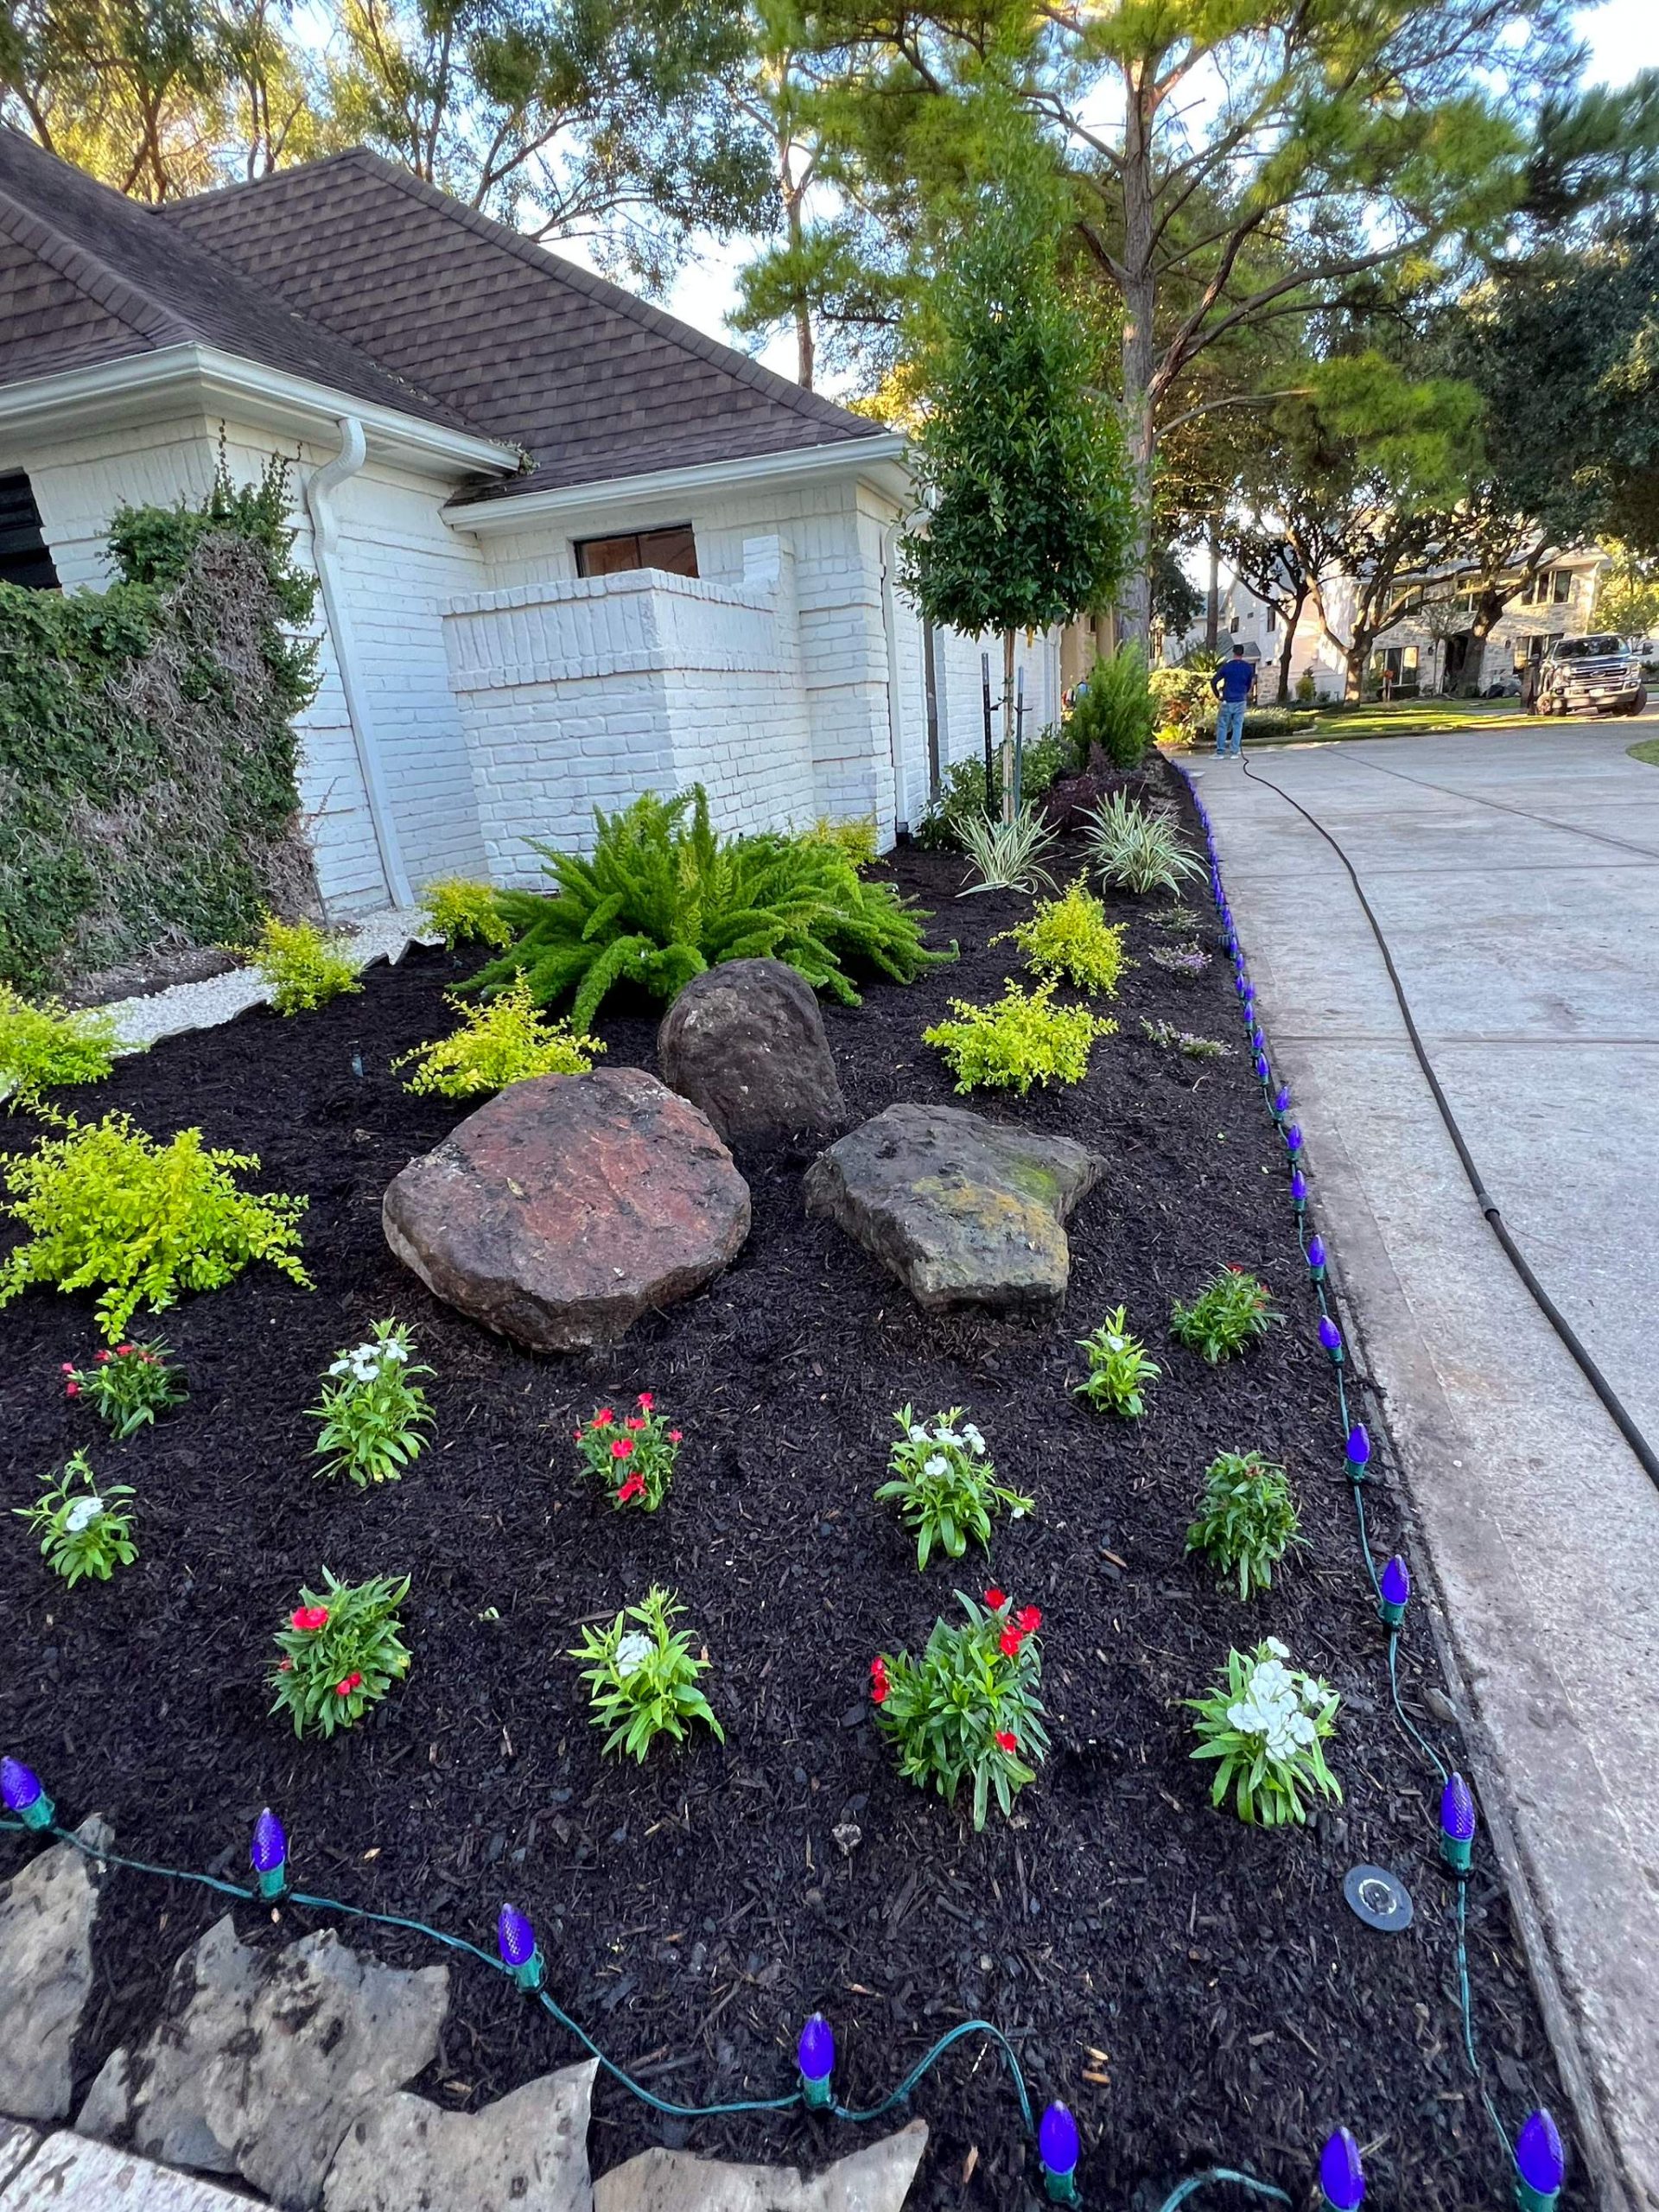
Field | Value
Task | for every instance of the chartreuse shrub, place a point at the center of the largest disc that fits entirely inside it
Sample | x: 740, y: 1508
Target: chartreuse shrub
x: 304, y: 966
x: 84, y: 1532
x: 504, y: 1040
x: 341, y: 1651
x: 105, y: 1208
x: 1228, y: 1315
x: 1265, y: 1725
x: 643, y: 1680
x: 1247, y: 1519
x: 1020, y: 1039
x: 45, y: 1045
x: 146, y: 743
x: 944, y: 1484
x: 967, y: 1709
x: 373, y: 1410
x: 1119, y: 1367
x: 663, y: 897
x: 1070, y: 940
x: 464, y: 913
x: 129, y: 1386
x: 853, y: 836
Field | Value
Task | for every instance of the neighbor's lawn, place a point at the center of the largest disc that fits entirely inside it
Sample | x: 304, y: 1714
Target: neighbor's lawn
x: 1648, y: 751
x: 1418, y: 718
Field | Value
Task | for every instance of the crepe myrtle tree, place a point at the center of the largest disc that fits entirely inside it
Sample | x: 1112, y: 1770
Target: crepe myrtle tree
x: 1019, y: 457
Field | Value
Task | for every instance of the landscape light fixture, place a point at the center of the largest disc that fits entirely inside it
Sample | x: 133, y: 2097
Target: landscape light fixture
x: 814, y: 2054
x: 1315, y: 1256
x: 1331, y: 1338
x: 1281, y: 1102
x: 20, y: 1787
x: 516, y: 1940
x: 1261, y: 1067
x: 1457, y: 1824
x: 1298, y: 1189
x: 1540, y: 2163
x: 1342, y: 2178
x: 1394, y: 1592
x: 1059, y: 2146
x: 270, y: 1854
x: 1359, y: 1451
x: 1293, y: 1139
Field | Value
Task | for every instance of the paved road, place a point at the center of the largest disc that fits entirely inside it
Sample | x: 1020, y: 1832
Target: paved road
x: 1517, y: 877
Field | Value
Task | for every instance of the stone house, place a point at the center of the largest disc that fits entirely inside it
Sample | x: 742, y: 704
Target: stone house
x: 569, y: 547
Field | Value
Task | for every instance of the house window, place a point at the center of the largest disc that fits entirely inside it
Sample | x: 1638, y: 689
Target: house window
x: 1550, y: 587
x: 24, y: 556
x: 674, y: 548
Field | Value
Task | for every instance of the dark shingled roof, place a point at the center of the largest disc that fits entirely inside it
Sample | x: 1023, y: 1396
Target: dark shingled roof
x: 87, y: 276
x: 591, y: 381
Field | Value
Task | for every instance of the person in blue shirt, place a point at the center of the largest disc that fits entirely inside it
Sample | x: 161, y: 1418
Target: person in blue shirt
x: 1232, y: 683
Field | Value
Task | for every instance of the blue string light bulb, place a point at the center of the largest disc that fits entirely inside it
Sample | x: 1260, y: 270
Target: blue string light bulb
x: 1293, y: 1139
x: 1298, y: 1189
x: 1394, y: 1591
x: 270, y: 1854
x: 1261, y: 1067
x: 20, y: 1787
x: 1342, y: 2178
x: 1281, y: 1102
x: 516, y: 1940
x: 1316, y: 1257
x: 814, y: 2054
x: 1358, y: 1452
x: 1331, y: 1338
x: 1059, y: 2146
x: 1457, y: 1824
x: 1540, y: 2163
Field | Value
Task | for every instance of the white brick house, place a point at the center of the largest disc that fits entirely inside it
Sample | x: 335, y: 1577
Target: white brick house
x: 570, y: 550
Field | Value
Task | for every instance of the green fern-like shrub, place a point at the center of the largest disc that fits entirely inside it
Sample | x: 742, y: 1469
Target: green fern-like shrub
x: 665, y: 897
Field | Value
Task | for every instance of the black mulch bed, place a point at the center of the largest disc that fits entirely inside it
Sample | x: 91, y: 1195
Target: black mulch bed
x: 1197, y: 1990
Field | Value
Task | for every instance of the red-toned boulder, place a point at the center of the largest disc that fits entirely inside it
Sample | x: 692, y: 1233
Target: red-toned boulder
x: 569, y: 1207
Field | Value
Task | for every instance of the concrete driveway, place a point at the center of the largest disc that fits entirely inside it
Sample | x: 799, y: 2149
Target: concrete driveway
x: 1516, y: 878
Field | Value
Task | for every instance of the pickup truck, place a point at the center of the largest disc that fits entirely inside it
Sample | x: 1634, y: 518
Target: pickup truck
x: 1595, y: 675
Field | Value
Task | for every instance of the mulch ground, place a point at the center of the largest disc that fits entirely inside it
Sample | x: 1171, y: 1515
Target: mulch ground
x: 1198, y: 1990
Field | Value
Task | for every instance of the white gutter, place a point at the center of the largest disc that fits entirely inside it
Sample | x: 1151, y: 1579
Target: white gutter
x: 319, y: 489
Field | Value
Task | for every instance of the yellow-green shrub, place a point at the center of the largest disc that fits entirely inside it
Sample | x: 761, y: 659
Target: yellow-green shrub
x: 46, y: 1044
x: 304, y: 968
x: 106, y: 1208
x: 503, y: 1041
x: 1070, y: 938
x: 854, y: 839
x: 1021, y: 1038
x: 462, y: 913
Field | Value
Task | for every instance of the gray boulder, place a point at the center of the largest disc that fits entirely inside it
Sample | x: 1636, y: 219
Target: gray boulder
x: 745, y: 1042
x: 876, y: 2178
x: 526, y: 2152
x: 46, y: 1973
x: 964, y: 1211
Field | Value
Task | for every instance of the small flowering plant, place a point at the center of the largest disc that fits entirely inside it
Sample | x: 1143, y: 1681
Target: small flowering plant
x: 1265, y: 1724
x: 1228, y: 1315
x: 945, y: 1485
x: 341, y: 1651
x: 969, y: 1707
x: 1247, y: 1519
x: 643, y: 1677
x: 129, y: 1386
x: 632, y: 1454
x: 1119, y: 1369
x: 84, y: 1532
x: 372, y: 1411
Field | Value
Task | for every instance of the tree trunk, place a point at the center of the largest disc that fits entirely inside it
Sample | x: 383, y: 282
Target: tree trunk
x: 1488, y: 609
x: 1007, y: 725
x: 1356, y: 653
x: 1289, y: 652
x: 1140, y: 305
x: 805, y: 353
x: 1212, y: 596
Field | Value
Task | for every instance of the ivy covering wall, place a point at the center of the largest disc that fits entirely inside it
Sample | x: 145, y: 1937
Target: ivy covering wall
x: 147, y: 799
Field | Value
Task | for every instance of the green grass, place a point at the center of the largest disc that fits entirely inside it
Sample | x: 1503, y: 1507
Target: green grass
x: 1647, y: 751
x: 1420, y: 718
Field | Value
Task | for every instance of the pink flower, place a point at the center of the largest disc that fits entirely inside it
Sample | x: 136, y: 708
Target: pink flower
x: 121, y: 1351
x: 1005, y: 1742
x: 103, y: 1359
x: 603, y: 1418
x: 308, y: 1618
x: 284, y: 1666
x: 577, y: 1435
x: 674, y: 1436
x: 631, y: 1423
x: 644, y: 1402
x: 351, y: 1683
x: 71, y: 1390
x: 878, y: 1684
x: 635, y: 1487
x: 622, y: 1447
x: 68, y: 1367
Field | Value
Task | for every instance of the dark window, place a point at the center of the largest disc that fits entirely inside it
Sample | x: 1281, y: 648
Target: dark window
x: 674, y: 548
x: 24, y: 558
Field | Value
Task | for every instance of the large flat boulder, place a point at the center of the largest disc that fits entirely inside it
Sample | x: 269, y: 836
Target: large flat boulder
x: 569, y: 1207
x: 46, y: 1913
x: 745, y: 1042
x: 964, y: 1211
x: 874, y: 2178
x: 526, y: 2152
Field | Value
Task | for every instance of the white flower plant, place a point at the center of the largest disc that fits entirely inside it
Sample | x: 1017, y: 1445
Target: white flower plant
x: 372, y: 1411
x: 944, y: 1483
x: 644, y: 1681
x: 1266, y: 1724
x: 85, y: 1532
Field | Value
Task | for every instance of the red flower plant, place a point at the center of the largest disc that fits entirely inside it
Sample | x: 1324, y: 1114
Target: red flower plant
x: 622, y: 1447
x: 604, y: 1417
x: 103, y: 1359
x: 1030, y: 1618
x: 644, y: 1402
x: 67, y: 1368
x: 121, y: 1350
x: 308, y: 1618
x: 632, y: 1422
x: 1006, y: 1741
x: 997, y: 1599
x: 351, y: 1683
x: 635, y: 1487
x: 879, y: 1680
x: 1009, y: 1642
x: 71, y: 1390
x: 675, y: 1436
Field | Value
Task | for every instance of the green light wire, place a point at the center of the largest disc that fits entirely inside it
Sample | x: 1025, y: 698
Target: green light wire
x: 1220, y: 2173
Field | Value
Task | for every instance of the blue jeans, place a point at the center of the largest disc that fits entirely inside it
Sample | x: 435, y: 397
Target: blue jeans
x: 1229, y: 728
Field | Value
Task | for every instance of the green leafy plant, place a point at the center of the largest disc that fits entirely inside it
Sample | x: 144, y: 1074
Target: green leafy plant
x: 1182, y: 699
x: 1070, y: 940
x: 1137, y: 848
x: 1008, y: 855
x: 854, y: 837
x: 1183, y: 1041
x: 969, y: 1707
x: 1266, y: 1724
x: 107, y: 1205
x: 1119, y: 1369
x: 464, y: 913
x: 373, y: 1410
x: 47, y: 1044
x: 1188, y: 960
x: 944, y: 1484
x: 304, y: 968
x: 643, y: 1680
x: 634, y: 1458
x: 129, y: 1386
x: 504, y: 1040
x: 662, y: 898
x: 341, y: 1651
x: 1020, y: 1039
x: 1247, y: 1519
x: 1228, y: 1315
x: 1115, y: 710
x: 84, y: 1532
